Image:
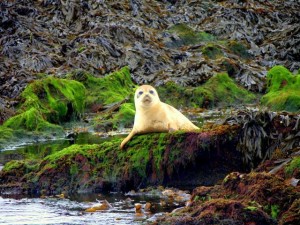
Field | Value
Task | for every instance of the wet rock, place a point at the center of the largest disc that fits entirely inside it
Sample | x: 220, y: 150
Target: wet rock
x: 105, y: 205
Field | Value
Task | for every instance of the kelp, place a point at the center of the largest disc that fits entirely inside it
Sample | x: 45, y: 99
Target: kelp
x: 161, y: 41
x: 263, y: 132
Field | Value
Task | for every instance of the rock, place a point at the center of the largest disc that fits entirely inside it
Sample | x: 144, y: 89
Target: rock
x: 148, y: 206
x: 105, y: 205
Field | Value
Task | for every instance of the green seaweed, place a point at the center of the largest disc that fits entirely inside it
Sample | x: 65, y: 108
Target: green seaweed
x: 275, y: 211
x: 293, y: 165
x: 114, y: 87
x: 56, y: 98
x: 283, y: 92
x: 5, y: 134
x: 188, y: 36
x: 219, y: 90
x: 125, y: 116
x: 70, y: 152
x: 212, y: 51
x: 31, y: 120
x: 226, y: 91
x: 27, y: 166
x: 47, y: 102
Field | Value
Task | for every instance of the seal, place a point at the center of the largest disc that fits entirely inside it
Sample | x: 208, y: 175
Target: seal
x: 152, y: 115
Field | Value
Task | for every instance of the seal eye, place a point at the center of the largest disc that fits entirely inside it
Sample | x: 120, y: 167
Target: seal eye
x: 140, y: 92
x: 151, y: 92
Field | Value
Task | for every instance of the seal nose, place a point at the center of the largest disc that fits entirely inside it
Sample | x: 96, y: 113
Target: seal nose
x: 147, y: 98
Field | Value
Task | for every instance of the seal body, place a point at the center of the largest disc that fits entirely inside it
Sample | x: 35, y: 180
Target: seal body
x: 152, y: 115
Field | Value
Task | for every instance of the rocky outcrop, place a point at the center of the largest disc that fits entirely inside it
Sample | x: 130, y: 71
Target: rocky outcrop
x: 177, y: 159
x: 254, y: 198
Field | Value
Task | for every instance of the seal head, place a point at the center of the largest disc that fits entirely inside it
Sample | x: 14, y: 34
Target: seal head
x: 146, y: 97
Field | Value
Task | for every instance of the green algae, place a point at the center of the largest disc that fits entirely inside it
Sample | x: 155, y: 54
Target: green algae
x: 70, y: 152
x: 56, y: 98
x: 114, y: 87
x: 283, y: 92
x: 32, y: 120
x: 293, y: 165
x: 26, y: 166
x: 219, y: 90
x: 5, y: 134
x: 188, y: 36
x: 46, y: 103
x: 212, y: 51
x: 124, y: 117
x: 226, y: 91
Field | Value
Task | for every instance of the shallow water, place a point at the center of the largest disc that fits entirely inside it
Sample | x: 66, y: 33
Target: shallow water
x: 41, y: 149
x: 72, y: 211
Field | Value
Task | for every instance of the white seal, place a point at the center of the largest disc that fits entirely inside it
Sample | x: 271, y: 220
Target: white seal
x: 152, y: 115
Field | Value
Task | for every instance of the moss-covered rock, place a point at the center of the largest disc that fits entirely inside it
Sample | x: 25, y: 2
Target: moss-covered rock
x: 32, y: 120
x: 148, y: 159
x: 283, y: 92
x: 226, y: 92
x: 46, y: 103
x: 111, y: 97
x: 220, y: 90
x: 57, y: 99
x: 112, y: 88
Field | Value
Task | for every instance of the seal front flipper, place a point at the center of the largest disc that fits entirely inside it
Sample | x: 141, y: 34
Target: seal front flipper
x: 130, y: 135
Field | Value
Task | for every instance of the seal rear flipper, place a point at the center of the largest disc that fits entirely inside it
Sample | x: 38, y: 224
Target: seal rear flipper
x: 170, y: 129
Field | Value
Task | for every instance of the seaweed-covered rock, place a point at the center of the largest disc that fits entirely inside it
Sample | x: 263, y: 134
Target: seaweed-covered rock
x: 57, y: 99
x: 46, y: 103
x: 31, y: 120
x: 219, y: 90
x: 283, y: 90
x: 254, y: 198
x: 171, y: 159
x: 114, y: 87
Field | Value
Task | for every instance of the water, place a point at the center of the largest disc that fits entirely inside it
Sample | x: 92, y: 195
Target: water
x: 40, y: 149
x: 72, y: 211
